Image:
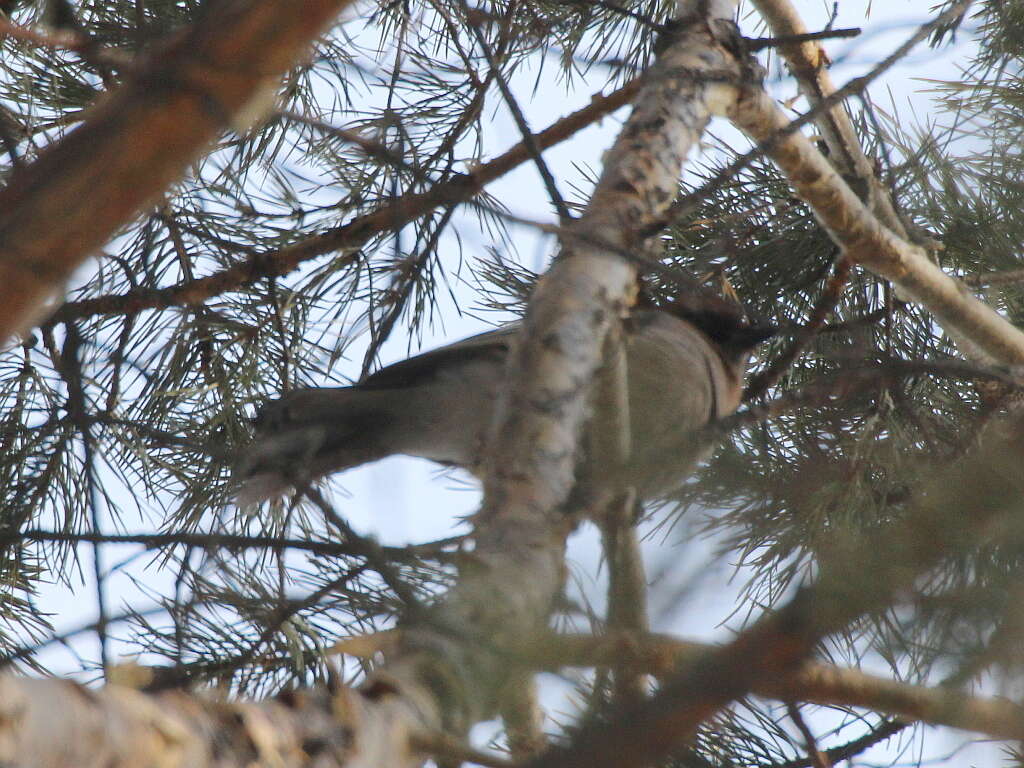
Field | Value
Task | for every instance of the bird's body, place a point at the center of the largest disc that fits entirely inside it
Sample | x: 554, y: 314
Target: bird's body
x: 440, y: 406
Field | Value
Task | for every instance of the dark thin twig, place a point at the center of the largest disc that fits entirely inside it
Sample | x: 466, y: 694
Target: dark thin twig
x: 71, y: 371
x: 528, y: 137
x: 275, y: 303
x: 117, y: 364
x: 884, y: 730
x: 407, y: 280
x: 816, y: 758
x: 755, y: 44
x: 411, y: 554
x: 847, y: 325
x: 24, y: 652
x: 854, y: 380
x: 256, y: 265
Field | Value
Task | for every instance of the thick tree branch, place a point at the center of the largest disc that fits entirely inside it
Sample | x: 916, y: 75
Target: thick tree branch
x: 120, y: 726
x: 813, y: 682
x: 866, y: 241
x: 221, y: 72
x: 454, y: 664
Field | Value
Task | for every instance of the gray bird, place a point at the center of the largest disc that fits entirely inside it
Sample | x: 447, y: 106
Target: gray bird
x: 685, y: 368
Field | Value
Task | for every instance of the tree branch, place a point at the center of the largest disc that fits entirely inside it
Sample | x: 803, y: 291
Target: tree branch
x: 348, y: 237
x: 866, y: 241
x: 808, y: 63
x: 220, y: 73
x: 452, y: 666
x: 813, y: 682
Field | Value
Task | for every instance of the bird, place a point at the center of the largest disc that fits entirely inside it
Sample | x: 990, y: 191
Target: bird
x: 685, y: 361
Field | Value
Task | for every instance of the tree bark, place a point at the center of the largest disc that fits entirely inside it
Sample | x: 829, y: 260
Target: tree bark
x: 867, y: 241
x: 220, y: 73
x: 453, y: 661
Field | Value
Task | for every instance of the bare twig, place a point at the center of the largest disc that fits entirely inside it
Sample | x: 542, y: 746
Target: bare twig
x: 520, y: 120
x: 231, y: 542
x: 64, y: 39
x: 816, y: 757
x: 755, y: 44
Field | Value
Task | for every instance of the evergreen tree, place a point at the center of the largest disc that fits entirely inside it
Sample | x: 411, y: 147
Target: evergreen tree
x: 874, y: 457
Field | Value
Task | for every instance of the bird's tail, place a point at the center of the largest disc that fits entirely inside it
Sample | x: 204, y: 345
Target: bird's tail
x: 307, y: 434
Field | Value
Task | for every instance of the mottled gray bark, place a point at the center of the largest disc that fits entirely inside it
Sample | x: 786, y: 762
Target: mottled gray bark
x: 454, y: 661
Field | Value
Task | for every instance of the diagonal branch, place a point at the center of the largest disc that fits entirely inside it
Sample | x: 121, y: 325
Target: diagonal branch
x: 351, y: 236
x: 808, y: 63
x: 867, y: 241
x: 812, y: 682
x: 219, y: 73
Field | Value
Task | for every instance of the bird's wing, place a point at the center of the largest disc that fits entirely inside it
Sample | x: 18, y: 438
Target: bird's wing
x: 416, y: 370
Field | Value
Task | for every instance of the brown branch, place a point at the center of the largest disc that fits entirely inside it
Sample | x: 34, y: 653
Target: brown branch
x: 218, y: 73
x: 1006, y: 277
x: 816, y: 757
x: 884, y: 730
x: 351, y: 236
x: 230, y: 542
x: 812, y: 682
x: 64, y: 39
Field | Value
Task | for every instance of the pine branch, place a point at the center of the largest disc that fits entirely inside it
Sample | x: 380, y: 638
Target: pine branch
x: 812, y: 682
x: 529, y: 466
x: 65, y: 205
x: 809, y: 64
x: 868, y: 242
x: 349, y: 237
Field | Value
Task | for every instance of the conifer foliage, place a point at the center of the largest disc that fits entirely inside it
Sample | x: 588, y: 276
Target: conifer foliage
x: 329, y: 210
